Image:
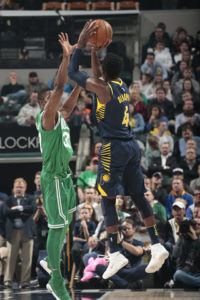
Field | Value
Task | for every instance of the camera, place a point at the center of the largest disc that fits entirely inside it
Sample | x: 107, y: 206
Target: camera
x: 121, y: 227
x: 185, y: 226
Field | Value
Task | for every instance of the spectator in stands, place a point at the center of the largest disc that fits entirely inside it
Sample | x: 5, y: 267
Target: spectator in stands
x: 188, y: 115
x: 89, y: 198
x: 34, y: 84
x: 28, y: 112
x: 68, y: 87
x: 162, y: 55
x: 178, y: 173
x: 156, y: 83
x: 167, y: 86
x: 191, y: 208
x: 121, y: 207
x: 147, y: 182
x: 159, y: 192
x: 189, y: 164
x: 2, y: 220
x: 144, y: 83
x: 164, y: 164
x: 133, y: 250
x: 37, y: 191
x: 87, y: 179
x: 184, y: 96
x: 95, y: 149
x: 80, y: 113
x: 165, y: 104
x: 151, y: 66
x: 155, y: 115
x: 158, y: 209
x: 137, y: 100
x: 179, y: 55
x: 187, y: 83
x: 180, y: 145
x: 181, y: 35
x: 152, y: 150
x: 136, y: 120
x: 187, y: 255
x: 163, y: 134
x: 14, y: 92
x: 135, y: 86
x: 178, y: 74
x: 177, y: 192
x: 192, y: 144
x: 19, y: 210
x: 159, y: 34
x: 83, y: 229
x: 196, y: 182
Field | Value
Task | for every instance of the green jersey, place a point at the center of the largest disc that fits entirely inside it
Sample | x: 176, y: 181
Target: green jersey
x: 55, y: 146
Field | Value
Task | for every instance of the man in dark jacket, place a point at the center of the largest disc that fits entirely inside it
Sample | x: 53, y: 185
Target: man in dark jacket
x: 19, y: 209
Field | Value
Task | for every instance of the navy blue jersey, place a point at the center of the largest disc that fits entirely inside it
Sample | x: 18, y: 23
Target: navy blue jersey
x: 112, y: 118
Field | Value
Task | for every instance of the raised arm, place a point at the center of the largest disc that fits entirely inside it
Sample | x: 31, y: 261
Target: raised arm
x: 50, y: 115
x: 69, y: 104
x: 96, y: 66
x: 95, y: 85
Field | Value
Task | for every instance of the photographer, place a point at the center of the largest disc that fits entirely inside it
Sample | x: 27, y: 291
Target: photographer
x: 133, y: 250
x: 187, y: 255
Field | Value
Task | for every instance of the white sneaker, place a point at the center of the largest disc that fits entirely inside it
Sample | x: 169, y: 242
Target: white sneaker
x: 116, y: 262
x: 158, y: 256
x: 44, y: 265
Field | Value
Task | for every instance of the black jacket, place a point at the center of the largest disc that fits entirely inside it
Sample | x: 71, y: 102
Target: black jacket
x: 156, y: 165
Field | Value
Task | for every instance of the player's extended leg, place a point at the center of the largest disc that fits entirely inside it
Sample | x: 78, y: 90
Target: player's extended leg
x: 56, y: 284
x: 158, y: 253
x: 116, y: 259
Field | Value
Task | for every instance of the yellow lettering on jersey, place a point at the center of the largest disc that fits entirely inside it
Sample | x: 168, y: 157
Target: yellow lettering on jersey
x: 123, y: 97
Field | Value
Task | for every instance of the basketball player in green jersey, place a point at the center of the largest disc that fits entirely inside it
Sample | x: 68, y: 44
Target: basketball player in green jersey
x: 56, y: 182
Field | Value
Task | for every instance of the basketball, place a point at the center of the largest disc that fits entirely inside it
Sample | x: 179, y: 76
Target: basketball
x: 103, y: 35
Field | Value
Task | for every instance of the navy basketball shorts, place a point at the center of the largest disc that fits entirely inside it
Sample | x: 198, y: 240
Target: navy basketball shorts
x: 119, y: 170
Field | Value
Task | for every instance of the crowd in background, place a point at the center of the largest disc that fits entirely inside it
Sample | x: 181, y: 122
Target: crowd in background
x: 165, y: 117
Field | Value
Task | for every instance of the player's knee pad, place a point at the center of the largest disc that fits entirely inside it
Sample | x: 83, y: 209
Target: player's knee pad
x: 143, y: 206
x: 109, y: 211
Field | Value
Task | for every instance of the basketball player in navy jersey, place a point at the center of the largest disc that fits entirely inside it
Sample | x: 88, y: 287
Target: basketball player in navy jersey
x: 119, y: 170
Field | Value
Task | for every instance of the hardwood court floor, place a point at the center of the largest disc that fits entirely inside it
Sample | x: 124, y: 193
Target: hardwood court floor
x: 42, y: 294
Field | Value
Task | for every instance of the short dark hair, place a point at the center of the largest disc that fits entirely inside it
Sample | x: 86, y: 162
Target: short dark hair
x: 112, y: 65
x: 42, y: 93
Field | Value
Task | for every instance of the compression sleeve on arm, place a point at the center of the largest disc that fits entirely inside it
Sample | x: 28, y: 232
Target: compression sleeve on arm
x: 79, y: 77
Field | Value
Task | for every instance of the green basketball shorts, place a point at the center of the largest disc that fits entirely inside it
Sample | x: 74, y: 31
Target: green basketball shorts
x: 59, y: 200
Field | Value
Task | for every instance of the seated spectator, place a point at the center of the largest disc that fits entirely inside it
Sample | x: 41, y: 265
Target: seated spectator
x: 136, y: 120
x: 167, y: 86
x: 13, y: 91
x: 164, y: 164
x: 29, y: 111
x: 136, y: 87
x: 144, y: 83
x: 178, y: 173
x: 137, y: 100
x: 89, y: 198
x: 121, y: 208
x: 181, y: 35
x: 196, y: 182
x: 87, y: 179
x: 184, y: 96
x: 95, y: 149
x: 189, y: 164
x: 156, y: 187
x: 133, y: 250
x: 187, y: 83
x: 156, y: 83
x: 178, y: 74
x: 34, y: 84
x: 158, y: 209
x: 152, y: 150
x: 155, y: 115
x: 165, y: 104
x: 163, y: 134
x: 172, y: 226
x: 83, y: 229
x: 183, y: 47
x: 147, y: 182
x: 163, y: 55
x: 180, y: 145
x: 151, y: 66
x: 191, y: 208
x: 177, y: 192
x: 159, y: 34
x: 187, y: 255
x: 188, y: 115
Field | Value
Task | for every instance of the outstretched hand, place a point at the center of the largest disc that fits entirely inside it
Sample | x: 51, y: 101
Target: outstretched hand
x: 89, y: 29
x: 66, y: 46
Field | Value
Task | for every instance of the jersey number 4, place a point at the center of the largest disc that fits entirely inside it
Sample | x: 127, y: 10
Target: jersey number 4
x: 126, y: 117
